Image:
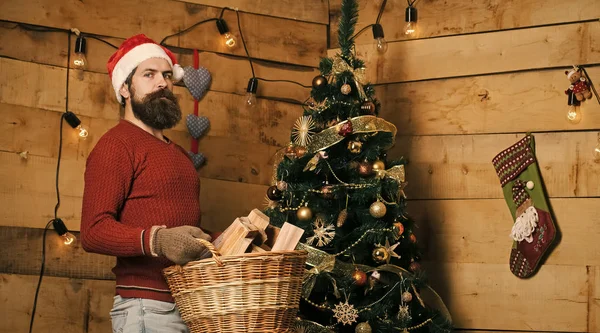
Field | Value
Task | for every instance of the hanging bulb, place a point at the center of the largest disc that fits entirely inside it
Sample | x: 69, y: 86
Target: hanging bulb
x: 62, y: 231
x: 74, y: 122
x: 410, y: 17
x: 79, y: 60
x: 573, y: 112
x: 83, y: 133
x: 229, y: 39
x: 380, y: 43
x: 597, y: 151
x: 68, y: 238
x: 251, y: 93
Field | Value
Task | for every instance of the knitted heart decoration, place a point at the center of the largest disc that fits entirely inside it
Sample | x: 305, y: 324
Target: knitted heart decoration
x: 196, y: 125
x: 196, y: 80
x: 198, y: 159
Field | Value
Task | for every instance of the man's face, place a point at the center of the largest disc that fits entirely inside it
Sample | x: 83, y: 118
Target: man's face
x: 152, y: 100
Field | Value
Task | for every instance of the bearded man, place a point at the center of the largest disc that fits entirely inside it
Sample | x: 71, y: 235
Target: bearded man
x: 141, y: 196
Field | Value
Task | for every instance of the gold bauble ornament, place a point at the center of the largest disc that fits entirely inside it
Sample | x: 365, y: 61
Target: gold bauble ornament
x: 363, y: 328
x: 304, y: 214
x: 290, y: 152
x: 346, y: 89
x: 319, y: 81
x: 281, y: 185
x: 380, y: 254
x: 378, y: 209
x: 342, y: 218
x: 355, y: 147
x: 378, y: 166
x: 406, y: 296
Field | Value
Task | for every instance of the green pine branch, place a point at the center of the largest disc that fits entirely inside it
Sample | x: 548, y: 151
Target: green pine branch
x: 346, y: 26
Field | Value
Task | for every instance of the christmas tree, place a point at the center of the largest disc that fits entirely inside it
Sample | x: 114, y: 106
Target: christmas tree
x: 335, y: 181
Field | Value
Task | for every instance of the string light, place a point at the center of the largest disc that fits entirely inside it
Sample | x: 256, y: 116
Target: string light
x: 251, y: 93
x: 410, y: 17
x: 80, y: 61
x: 74, y: 122
x: 380, y: 43
x: 573, y: 112
x: 229, y: 39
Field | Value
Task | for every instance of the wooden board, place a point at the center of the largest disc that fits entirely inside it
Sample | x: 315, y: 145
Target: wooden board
x: 229, y: 73
x: 73, y: 305
x: 27, y: 193
x: 308, y: 10
x: 490, y: 297
x: 267, y: 37
x: 513, y: 50
x: 22, y: 250
x: 477, y: 231
x: 459, y: 166
x: 518, y: 102
x: 444, y: 18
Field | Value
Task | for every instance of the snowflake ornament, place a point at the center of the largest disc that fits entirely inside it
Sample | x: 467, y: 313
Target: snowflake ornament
x: 303, y: 130
x: 322, y: 233
x: 345, y: 313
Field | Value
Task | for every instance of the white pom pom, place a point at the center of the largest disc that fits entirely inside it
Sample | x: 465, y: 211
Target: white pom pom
x: 530, y: 185
x: 177, y: 72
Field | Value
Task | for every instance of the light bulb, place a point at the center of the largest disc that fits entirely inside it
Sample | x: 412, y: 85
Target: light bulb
x: 79, y: 60
x: 229, y: 39
x: 68, y: 238
x: 410, y: 17
x: 251, y: 93
x: 410, y: 28
x: 83, y: 133
x: 573, y: 114
x: 380, y: 43
x: 597, y: 152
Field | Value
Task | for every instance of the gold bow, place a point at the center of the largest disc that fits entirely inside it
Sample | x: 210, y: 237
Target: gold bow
x: 398, y: 174
x: 362, y: 124
x: 360, y: 78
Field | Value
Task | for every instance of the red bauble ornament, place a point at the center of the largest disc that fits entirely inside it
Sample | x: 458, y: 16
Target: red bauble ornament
x: 365, y: 169
x: 413, y: 238
x: 346, y: 128
x: 415, y: 266
x: 359, y: 277
x: 399, y: 228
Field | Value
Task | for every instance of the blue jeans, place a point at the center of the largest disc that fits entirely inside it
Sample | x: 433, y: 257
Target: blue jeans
x: 138, y: 315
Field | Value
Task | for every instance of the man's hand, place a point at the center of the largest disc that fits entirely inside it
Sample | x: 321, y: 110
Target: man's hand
x: 180, y: 244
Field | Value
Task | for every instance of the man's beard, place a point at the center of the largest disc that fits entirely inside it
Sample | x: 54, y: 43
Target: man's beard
x: 158, y: 110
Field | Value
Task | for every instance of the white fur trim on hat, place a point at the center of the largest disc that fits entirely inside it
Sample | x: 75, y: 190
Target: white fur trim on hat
x: 136, y: 56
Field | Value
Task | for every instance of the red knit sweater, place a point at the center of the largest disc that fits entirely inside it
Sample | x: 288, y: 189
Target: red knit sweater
x: 134, y: 181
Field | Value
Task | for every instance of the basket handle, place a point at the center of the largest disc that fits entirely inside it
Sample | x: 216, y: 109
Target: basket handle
x: 209, y: 246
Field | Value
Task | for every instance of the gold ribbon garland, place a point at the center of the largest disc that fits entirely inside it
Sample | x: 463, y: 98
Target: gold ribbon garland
x: 322, y: 261
x: 360, y: 76
x: 362, y: 124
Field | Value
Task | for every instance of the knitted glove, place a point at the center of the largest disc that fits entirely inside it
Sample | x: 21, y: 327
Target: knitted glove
x: 180, y: 244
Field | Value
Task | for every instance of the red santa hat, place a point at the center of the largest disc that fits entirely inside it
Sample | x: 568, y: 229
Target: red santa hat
x: 131, y: 53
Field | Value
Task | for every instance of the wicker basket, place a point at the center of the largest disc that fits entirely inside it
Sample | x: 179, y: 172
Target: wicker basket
x: 254, y: 292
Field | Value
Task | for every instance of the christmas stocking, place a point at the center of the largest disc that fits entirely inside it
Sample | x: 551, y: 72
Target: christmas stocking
x: 534, y: 231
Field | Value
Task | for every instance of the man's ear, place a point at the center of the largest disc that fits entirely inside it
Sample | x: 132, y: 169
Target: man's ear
x: 124, y: 91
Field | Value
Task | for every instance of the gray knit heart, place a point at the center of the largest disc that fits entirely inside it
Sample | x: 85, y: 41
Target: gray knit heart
x: 198, y: 159
x: 197, y: 126
x: 196, y: 80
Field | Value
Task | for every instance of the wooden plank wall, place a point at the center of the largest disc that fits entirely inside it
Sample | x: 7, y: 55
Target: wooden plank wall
x: 514, y: 53
x: 286, y: 42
